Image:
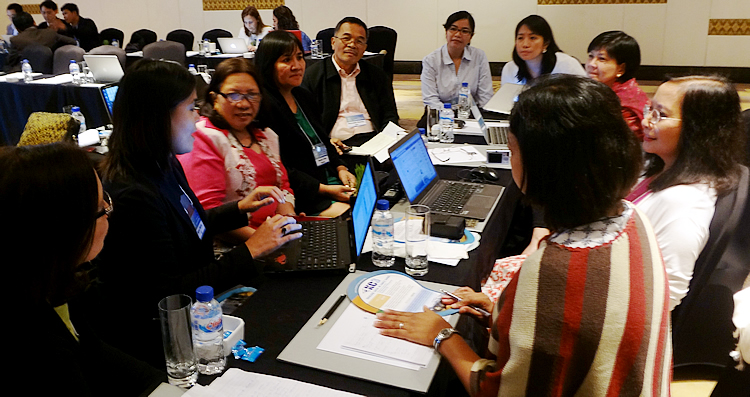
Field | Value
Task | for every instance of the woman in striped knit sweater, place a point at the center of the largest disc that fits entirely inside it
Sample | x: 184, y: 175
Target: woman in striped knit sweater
x: 587, y: 314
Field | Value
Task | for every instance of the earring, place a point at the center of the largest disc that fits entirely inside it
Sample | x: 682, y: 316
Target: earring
x: 619, y: 75
x: 544, y: 51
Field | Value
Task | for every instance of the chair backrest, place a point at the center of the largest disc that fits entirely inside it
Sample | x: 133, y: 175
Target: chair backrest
x: 383, y: 38
x: 139, y: 39
x: 324, y: 36
x: 40, y: 58
x: 183, y: 36
x: 702, y: 323
x: 63, y: 56
x: 112, y: 33
x: 214, y: 34
x: 165, y: 50
x: 111, y: 50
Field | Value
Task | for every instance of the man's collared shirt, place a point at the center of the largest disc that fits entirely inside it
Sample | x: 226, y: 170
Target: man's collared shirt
x: 351, y: 106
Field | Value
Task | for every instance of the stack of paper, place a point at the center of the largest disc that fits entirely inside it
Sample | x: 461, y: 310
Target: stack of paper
x: 379, y: 144
x: 236, y: 382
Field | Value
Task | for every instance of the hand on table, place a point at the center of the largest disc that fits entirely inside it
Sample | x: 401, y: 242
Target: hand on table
x: 261, y: 197
x: 272, y: 234
x: 421, y: 328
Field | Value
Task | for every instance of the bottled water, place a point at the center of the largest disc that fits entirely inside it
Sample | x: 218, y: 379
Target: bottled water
x: 382, y: 236
x: 26, y: 69
x: 116, y: 43
x: 76, y: 113
x: 75, y: 72
x: 191, y: 69
x: 464, y: 103
x: 208, y: 332
x: 206, y: 47
x: 446, y: 124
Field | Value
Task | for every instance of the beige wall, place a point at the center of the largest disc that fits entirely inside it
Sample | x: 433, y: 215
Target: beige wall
x: 675, y: 33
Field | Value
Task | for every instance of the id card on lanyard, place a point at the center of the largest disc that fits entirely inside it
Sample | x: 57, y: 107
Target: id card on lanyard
x: 193, y: 214
x: 320, y: 153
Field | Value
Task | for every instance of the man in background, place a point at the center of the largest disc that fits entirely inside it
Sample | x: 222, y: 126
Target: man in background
x: 84, y: 29
x: 51, y: 21
x: 12, y: 10
x: 29, y: 35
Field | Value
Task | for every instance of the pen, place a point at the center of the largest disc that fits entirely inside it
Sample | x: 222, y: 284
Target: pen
x: 479, y: 309
x: 332, y: 309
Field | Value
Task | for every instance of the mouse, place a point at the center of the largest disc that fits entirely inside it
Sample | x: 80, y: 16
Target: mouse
x: 485, y: 173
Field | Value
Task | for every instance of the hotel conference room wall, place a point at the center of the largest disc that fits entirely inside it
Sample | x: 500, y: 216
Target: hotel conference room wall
x: 674, y: 32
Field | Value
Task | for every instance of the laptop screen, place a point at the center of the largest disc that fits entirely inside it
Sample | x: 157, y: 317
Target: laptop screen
x: 413, y: 164
x: 364, y: 206
x: 108, y: 93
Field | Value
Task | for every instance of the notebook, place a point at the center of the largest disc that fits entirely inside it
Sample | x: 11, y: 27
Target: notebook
x: 232, y: 46
x: 504, y: 98
x: 105, y: 68
x: 331, y: 244
x: 423, y: 185
x: 109, y: 92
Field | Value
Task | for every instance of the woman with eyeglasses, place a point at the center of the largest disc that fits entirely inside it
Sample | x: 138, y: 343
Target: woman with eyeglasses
x: 693, y: 144
x: 321, y: 182
x: 253, y: 29
x: 51, y: 279
x: 536, y: 53
x: 233, y: 153
x: 614, y: 57
x: 161, y: 240
x: 456, y: 62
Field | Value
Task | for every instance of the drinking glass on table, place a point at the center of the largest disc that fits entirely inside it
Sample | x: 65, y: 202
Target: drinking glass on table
x: 176, y: 333
x: 417, y: 234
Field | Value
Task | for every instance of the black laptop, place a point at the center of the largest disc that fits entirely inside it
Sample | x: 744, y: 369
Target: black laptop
x: 423, y: 185
x: 109, y: 92
x: 331, y: 244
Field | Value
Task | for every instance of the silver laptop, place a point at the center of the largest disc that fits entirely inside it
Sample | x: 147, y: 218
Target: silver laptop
x: 105, y: 68
x: 504, y: 98
x: 494, y: 135
x: 232, y: 46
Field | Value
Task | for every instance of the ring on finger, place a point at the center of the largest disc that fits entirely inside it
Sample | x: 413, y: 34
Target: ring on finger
x: 283, y: 230
x: 400, y: 325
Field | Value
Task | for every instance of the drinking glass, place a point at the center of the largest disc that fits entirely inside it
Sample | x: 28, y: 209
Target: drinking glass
x: 176, y: 333
x: 417, y: 234
x: 433, y: 118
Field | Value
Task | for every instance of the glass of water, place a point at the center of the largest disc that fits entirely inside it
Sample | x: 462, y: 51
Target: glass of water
x: 417, y: 235
x: 176, y: 332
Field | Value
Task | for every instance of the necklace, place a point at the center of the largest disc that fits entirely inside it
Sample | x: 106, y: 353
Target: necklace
x: 252, y: 140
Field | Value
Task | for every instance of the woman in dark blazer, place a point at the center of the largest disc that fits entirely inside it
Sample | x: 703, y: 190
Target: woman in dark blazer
x: 160, y: 242
x: 321, y: 182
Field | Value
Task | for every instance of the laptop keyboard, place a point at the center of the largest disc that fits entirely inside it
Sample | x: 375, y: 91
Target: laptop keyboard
x: 318, y: 248
x: 454, y: 197
x: 498, y: 135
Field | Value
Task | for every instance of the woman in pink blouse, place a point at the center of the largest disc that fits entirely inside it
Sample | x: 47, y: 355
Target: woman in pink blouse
x: 232, y: 153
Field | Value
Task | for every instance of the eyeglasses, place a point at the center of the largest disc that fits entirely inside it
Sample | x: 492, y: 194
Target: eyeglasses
x: 454, y: 29
x: 359, y: 42
x: 236, y: 97
x: 655, y: 116
x: 108, y: 209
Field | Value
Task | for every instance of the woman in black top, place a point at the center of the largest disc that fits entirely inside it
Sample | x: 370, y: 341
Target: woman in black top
x: 321, y: 182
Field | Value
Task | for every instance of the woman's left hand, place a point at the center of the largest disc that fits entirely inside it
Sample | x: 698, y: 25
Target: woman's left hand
x: 420, y: 328
x: 261, y: 197
x: 347, y: 178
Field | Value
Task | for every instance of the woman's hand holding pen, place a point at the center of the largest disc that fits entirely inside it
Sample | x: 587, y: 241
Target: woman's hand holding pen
x: 469, y: 298
x: 272, y: 234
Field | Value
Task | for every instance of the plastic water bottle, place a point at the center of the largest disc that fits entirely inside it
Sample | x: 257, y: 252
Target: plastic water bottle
x: 464, y: 104
x: 26, y: 69
x: 206, y: 47
x: 191, y: 69
x: 116, y: 43
x: 382, y: 236
x: 75, y: 72
x: 76, y: 113
x: 208, y: 332
x: 446, y: 124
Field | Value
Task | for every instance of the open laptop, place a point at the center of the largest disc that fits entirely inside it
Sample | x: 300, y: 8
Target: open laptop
x: 105, y: 68
x: 494, y: 135
x: 504, y: 99
x: 232, y: 46
x: 423, y: 185
x: 331, y: 243
x: 109, y: 92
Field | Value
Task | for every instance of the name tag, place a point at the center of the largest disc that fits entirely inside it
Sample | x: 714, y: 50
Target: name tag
x: 321, y: 154
x: 355, y: 120
x: 195, y: 218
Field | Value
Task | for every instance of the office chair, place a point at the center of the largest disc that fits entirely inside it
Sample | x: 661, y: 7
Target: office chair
x: 110, y: 50
x: 324, y: 36
x: 213, y: 34
x: 383, y: 38
x: 139, y: 39
x: 170, y: 50
x: 40, y: 58
x: 62, y: 56
x: 112, y: 33
x: 183, y: 36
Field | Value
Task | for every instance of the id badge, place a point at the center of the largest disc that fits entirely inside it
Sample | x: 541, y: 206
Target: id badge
x: 195, y: 218
x: 321, y: 154
x: 355, y: 120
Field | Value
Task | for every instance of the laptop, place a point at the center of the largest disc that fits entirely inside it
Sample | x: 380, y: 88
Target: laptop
x: 232, y: 46
x: 105, y: 68
x: 504, y: 99
x: 331, y: 244
x: 109, y: 92
x: 493, y: 135
x: 423, y: 185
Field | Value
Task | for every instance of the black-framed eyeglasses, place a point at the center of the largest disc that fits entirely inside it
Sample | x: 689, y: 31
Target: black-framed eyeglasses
x: 108, y: 209
x: 359, y: 42
x: 654, y: 116
x: 236, y: 97
x: 454, y: 29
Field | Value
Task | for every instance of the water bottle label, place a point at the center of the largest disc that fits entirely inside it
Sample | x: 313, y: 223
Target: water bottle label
x: 212, y: 325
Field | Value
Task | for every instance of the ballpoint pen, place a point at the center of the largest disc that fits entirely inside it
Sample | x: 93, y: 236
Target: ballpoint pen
x: 479, y: 309
x: 332, y: 309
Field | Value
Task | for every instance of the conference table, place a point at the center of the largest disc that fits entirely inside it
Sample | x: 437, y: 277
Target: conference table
x: 284, y: 302
x: 211, y: 61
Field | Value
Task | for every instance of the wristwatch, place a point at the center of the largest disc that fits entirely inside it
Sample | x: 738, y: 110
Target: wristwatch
x: 444, y: 334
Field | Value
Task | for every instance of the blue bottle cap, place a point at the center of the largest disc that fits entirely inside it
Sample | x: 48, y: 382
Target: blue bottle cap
x: 422, y: 131
x: 191, y: 66
x: 465, y: 84
x: 75, y: 109
x: 72, y: 61
x: 383, y: 205
x: 447, y: 106
x: 204, y: 293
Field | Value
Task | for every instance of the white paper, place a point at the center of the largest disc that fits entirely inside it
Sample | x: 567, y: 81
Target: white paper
x: 189, y: 54
x: 59, y: 79
x: 135, y: 54
x: 380, y: 142
x: 18, y: 76
x: 236, y: 382
x: 456, y: 154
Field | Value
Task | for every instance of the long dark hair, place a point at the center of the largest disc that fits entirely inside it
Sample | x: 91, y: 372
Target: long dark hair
x: 253, y: 12
x: 273, y: 46
x: 52, y: 188
x: 578, y: 155
x: 224, y: 70
x: 141, y: 141
x: 285, y: 18
x: 711, y: 143
x: 537, y: 25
